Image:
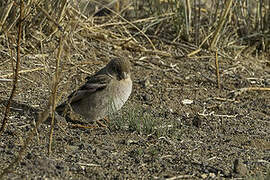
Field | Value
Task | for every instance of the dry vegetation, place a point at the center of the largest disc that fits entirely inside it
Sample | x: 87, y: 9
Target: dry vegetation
x: 201, y: 88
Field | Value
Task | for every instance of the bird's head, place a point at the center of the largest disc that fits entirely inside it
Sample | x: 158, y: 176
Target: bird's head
x: 119, y: 68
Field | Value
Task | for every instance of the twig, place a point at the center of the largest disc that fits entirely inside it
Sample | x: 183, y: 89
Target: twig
x: 88, y: 164
x: 217, y: 70
x: 224, y: 99
x: 15, y: 81
x: 240, y: 91
x: 194, y: 52
x: 181, y: 177
x: 257, y: 89
x: 54, y: 91
x: 5, y: 80
x: 23, y: 71
x: 217, y: 115
x: 186, y: 176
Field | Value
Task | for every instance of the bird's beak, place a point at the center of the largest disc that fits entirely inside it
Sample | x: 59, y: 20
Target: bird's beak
x: 125, y: 75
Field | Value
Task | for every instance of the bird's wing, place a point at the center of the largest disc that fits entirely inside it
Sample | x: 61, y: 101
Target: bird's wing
x: 92, y: 85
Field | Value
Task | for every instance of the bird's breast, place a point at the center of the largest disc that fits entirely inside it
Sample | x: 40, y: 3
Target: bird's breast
x: 122, y: 93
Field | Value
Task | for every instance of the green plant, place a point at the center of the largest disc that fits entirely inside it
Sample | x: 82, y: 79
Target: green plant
x: 137, y: 119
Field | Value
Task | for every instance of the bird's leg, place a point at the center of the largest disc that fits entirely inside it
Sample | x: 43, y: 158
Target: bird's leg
x: 101, y: 124
x: 106, y: 119
x: 74, y: 117
x: 82, y: 126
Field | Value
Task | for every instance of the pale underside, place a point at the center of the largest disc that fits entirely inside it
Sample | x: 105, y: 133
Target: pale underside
x: 99, y: 104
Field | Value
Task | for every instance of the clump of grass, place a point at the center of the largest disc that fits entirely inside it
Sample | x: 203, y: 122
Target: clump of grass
x: 140, y: 121
x: 260, y: 176
x: 136, y: 119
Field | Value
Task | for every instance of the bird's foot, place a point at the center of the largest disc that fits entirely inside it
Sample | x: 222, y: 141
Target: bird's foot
x: 106, y: 119
x: 82, y: 126
x: 101, y: 124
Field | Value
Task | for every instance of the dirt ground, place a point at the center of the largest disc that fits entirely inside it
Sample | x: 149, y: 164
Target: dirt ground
x: 176, y: 124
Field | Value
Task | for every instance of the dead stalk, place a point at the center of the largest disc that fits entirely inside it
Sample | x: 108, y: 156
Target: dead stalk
x: 217, y: 70
x: 54, y: 93
x: 221, y: 24
x: 15, y: 81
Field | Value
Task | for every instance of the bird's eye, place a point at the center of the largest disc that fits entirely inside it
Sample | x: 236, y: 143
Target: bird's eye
x: 118, y: 70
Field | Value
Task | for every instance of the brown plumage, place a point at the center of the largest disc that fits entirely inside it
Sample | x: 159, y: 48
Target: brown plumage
x: 103, y: 93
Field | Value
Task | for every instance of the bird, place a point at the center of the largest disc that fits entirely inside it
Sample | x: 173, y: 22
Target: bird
x: 102, y: 94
